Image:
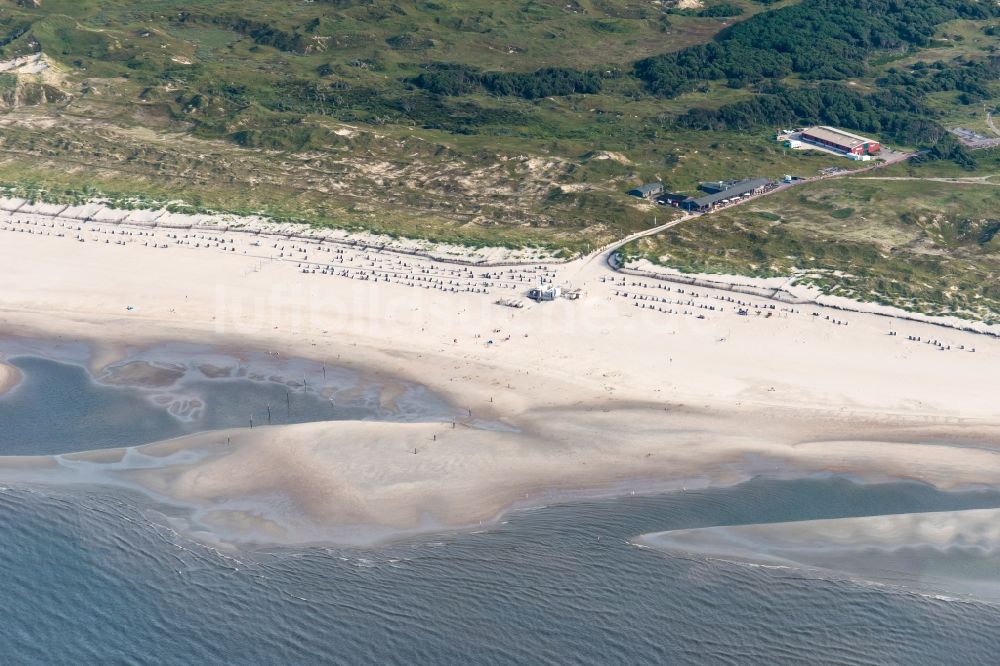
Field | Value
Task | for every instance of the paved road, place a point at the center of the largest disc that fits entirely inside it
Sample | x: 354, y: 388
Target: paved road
x: 971, y: 180
x: 579, y: 272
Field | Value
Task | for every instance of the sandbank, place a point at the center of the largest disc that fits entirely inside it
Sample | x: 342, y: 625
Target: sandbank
x: 9, y: 377
x: 951, y: 552
x: 345, y: 481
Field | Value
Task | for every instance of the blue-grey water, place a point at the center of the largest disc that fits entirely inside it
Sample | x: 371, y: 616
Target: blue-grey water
x: 94, y: 576
x: 60, y: 408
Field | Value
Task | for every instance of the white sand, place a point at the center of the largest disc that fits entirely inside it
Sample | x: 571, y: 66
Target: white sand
x: 110, y: 215
x: 609, y: 392
x: 41, y: 208
x: 34, y: 63
x: 11, y: 203
x: 786, y: 289
x: 82, y: 212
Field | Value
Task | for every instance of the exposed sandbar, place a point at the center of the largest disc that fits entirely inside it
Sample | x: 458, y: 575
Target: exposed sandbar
x: 9, y: 377
x: 949, y: 551
x: 335, y: 481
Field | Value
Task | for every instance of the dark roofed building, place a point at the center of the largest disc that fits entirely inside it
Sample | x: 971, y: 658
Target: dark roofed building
x: 736, y: 189
x: 715, y: 186
x: 647, y: 191
x: 725, y: 192
x: 672, y: 198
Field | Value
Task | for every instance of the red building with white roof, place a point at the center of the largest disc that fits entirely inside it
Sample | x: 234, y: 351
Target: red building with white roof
x: 831, y: 137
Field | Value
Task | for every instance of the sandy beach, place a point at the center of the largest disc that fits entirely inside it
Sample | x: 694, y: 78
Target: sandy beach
x: 639, y: 385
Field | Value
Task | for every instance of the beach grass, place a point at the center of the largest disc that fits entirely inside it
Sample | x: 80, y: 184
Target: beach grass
x: 922, y: 245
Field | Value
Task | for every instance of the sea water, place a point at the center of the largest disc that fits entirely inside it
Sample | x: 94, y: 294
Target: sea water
x: 96, y: 576
x: 59, y: 407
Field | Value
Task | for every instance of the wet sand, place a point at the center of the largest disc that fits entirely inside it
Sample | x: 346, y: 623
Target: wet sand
x: 9, y: 377
x: 944, y: 552
x: 356, y: 481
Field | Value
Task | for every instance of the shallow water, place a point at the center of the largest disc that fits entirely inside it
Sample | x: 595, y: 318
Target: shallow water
x: 59, y: 407
x: 938, y: 552
x: 96, y: 575
x: 92, y: 577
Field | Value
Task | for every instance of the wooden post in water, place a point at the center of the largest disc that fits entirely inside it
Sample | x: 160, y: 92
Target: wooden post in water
x: 288, y: 403
x: 269, y: 415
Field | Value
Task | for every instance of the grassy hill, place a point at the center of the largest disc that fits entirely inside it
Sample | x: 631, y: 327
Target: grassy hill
x: 906, y: 236
x: 469, y: 121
